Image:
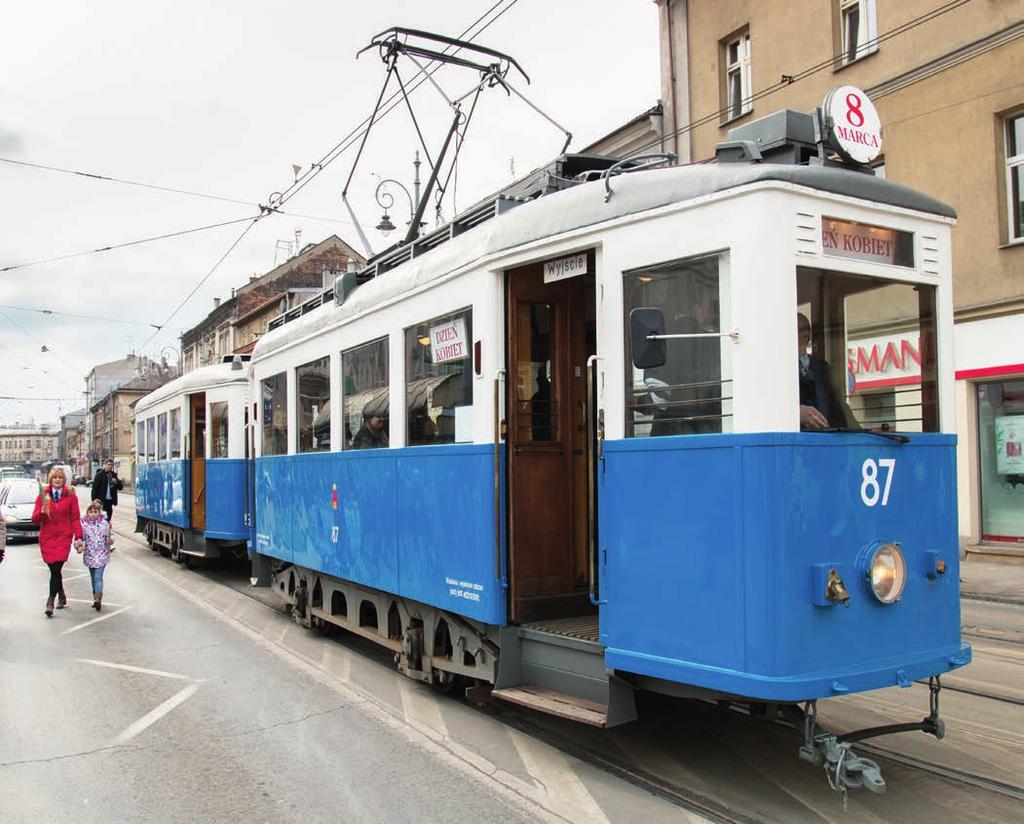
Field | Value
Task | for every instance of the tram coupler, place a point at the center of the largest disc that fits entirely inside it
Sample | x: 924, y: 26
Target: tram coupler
x: 845, y: 770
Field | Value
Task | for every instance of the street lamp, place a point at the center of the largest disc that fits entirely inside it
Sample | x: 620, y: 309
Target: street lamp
x: 173, y: 351
x: 386, y: 200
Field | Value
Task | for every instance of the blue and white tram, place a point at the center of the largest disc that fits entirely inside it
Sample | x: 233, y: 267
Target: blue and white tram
x: 191, y: 463
x: 556, y: 446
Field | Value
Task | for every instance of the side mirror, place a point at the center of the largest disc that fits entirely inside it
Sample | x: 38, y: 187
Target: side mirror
x: 644, y: 322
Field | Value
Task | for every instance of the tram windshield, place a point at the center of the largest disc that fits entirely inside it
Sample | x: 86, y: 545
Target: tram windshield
x: 867, y: 351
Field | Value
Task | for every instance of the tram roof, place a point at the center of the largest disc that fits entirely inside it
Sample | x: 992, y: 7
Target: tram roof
x: 577, y: 207
x: 198, y: 380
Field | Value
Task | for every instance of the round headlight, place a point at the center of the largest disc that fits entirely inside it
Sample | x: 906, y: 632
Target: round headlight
x: 887, y: 573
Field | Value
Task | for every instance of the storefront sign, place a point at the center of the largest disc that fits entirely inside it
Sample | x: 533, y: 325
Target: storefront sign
x: 1009, y: 432
x: 859, y: 241
x: 448, y: 341
x: 853, y: 124
x: 565, y: 268
x: 889, y: 360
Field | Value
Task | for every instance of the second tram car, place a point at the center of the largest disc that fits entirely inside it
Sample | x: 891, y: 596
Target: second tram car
x: 191, y: 468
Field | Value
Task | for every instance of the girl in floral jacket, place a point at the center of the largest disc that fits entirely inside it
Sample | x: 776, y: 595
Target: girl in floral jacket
x: 96, y: 548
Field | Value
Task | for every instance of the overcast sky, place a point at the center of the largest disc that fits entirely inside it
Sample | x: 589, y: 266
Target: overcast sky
x: 222, y: 98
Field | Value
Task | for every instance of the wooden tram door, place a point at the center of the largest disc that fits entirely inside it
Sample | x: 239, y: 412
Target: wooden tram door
x: 197, y: 456
x: 551, y: 333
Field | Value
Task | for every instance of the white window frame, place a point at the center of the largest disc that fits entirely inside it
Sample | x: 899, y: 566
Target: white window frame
x: 1014, y: 231
x: 741, y: 68
x: 867, y: 29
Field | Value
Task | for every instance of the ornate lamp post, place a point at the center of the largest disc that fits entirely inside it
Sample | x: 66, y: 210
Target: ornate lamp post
x: 386, y: 200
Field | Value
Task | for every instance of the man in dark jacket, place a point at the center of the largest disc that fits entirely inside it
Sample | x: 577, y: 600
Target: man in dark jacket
x: 105, y: 486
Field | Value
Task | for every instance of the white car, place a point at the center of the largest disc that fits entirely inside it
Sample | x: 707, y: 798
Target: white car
x: 17, y: 500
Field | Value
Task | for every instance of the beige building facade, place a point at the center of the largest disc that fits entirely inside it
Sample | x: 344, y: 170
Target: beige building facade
x: 27, y: 445
x: 946, y: 80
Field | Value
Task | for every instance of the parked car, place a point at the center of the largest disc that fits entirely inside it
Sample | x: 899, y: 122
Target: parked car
x: 17, y: 500
x: 13, y: 472
x: 80, y: 480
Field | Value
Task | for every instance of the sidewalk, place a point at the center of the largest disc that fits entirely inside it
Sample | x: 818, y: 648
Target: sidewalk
x: 992, y: 581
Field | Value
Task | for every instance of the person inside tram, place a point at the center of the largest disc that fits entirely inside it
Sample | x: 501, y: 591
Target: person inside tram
x: 821, y: 406
x: 371, y: 434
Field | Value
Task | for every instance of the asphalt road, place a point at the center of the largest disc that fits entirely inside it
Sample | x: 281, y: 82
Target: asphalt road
x: 187, y: 701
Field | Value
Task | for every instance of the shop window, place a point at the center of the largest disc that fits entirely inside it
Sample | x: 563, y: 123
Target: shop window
x: 1001, y: 460
x: 439, y: 380
x: 175, y: 434
x: 219, y: 429
x: 151, y: 439
x: 737, y: 77
x: 313, y: 405
x: 161, y: 437
x: 1015, y: 176
x: 364, y: 380
x: 858, y: 30
x: 691, y: 393
x: 274, y: 393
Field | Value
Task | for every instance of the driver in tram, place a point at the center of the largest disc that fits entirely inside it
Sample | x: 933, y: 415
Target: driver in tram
x: 821, y: 406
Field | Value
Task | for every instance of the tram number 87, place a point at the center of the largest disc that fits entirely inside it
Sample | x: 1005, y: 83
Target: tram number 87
x: 870, y: 489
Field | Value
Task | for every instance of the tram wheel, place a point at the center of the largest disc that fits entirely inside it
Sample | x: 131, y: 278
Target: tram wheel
x: 447, y: 683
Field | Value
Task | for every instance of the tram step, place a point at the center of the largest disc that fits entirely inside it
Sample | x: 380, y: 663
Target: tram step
x: 555, y: 703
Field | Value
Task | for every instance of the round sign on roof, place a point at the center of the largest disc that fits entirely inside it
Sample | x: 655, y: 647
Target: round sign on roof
x: 853, y: 124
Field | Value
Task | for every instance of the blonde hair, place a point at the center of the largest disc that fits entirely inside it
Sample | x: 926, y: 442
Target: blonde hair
x: 97, y: 505
x: 56, y: 471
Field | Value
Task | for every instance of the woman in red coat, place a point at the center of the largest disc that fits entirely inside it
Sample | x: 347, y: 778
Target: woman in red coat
x: 60, y: 522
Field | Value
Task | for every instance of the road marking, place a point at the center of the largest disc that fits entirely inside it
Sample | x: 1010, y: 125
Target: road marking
x: 129, y: 668
x: 558, y: 786
x: 150, y: 718
x: 90, y: 601
x: 95, y: 621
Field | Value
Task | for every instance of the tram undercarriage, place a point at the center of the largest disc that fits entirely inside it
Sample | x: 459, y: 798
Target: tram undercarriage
x: 183, y: 545
x: 554, y: 667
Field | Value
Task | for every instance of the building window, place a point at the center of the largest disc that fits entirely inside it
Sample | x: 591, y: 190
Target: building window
x: 313, y: 410
x: 161, y: 437
x: 1001, y: 460
x: 737, y: 76
x: 439, y: 380
x: 175, y: 434
x: 858, y: 29
x: 275, y: 415
x: 364, y: 381
x: 1015, y: 175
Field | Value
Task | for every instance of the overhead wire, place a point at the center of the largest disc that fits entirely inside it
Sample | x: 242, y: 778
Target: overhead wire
x: 74, y: 315
x: 156, y: 187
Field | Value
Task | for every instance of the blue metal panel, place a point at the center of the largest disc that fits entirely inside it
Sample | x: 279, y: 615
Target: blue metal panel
x: 225, y: 499
x: 711, y: 547
x: 417, y: 522
x: 161, y: 489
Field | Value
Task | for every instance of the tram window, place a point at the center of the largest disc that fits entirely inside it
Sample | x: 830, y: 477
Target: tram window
x: 692, y: 392
x: 161, y: 437
x: 151, y: 439
x: 439, y: 379
x: 275, y: 415
x: 875, y: 340
x: 219, y: 429
x: 175, y: 434
x: 313, y: 405
x: 536, y: 382
x: 364, y: 380
x: 140, y: 440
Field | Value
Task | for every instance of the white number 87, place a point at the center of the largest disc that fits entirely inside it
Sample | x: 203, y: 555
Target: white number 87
x: 869, y: 487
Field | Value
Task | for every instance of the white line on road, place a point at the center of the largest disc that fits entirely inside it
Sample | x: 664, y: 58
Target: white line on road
x: 150, y: 718
x: 129, y: 668
x: 90, y: 601
x: 95, y: 621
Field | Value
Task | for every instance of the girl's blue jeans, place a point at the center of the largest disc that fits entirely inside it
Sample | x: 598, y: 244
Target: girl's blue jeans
x: 97, y: 578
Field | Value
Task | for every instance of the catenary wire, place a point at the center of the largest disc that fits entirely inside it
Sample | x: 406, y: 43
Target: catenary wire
x: 73, y: 315
x: 158, y: 187
x: 113, y: 246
